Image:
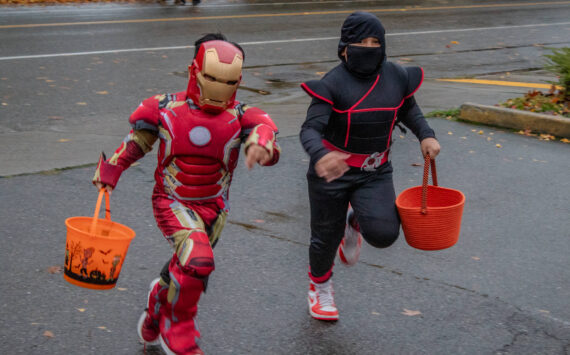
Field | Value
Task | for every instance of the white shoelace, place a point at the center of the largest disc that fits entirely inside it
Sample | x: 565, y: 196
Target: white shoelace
x: 325, y: 292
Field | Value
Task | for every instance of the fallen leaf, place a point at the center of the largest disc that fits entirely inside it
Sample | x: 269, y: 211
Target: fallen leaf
x: 4, y: 104
x: 489, y: 139
x: 102, y: 328
x: 448, y: 46
x: 104, y: 92
x: 450, y: 133
x: 48, y: 334
x: 463, y: 137
x: 55, y: 117
x: 546, y: 137
x: 63, y: 140
x: 411, y: 313
x: 121, y: 289
x: 454, y: 42
x: 321, y: 73
x: 81, y: 310
x: 81, y: 103
x: 481, y: 132
x: 417, y: 164
x: 135, y: 163
x: 543, y: 311
x: 259, y: 221
x: 375, y: 313
x: 475, y: 258
x: 565, y: 140
x: 55, y: 269
x: 471, y: 152
x: 498, y: 145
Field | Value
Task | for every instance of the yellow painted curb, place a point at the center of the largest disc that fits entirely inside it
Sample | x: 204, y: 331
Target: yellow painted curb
x: 515, y: 119
x: 501, y: 83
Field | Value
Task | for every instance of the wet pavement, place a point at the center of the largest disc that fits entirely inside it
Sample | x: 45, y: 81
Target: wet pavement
x: 504, y: 288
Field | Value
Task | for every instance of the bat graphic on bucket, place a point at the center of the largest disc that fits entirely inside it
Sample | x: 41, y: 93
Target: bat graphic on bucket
x: 95, y: 248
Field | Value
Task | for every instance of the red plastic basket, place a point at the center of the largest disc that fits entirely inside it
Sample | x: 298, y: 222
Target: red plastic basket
x: 431, y: 215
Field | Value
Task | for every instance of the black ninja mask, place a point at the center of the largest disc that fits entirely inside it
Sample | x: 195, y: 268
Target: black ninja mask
x: 362, y: 61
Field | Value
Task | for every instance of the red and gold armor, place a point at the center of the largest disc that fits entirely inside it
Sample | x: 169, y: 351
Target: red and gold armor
x: 200, y: 132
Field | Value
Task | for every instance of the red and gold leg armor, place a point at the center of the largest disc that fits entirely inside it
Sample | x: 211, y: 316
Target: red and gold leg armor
x: 188, y: 270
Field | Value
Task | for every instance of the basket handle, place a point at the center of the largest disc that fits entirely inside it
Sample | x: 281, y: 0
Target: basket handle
x: 427, y: 164
x: 98, y: 208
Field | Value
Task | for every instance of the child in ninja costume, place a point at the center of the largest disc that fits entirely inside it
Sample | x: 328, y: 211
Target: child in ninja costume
x: 200, y: 131
x: 347, y: 134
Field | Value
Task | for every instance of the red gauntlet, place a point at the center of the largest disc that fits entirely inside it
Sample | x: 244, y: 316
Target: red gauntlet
x: 107, y: 173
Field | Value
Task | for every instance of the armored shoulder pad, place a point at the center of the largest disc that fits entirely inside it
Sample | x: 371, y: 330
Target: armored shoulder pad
x: 415, y: 80
x: 147, y: 115
x: 253, y: 116
x: 318, y: 89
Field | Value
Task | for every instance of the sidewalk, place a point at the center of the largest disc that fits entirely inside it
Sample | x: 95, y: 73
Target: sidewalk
x: 32, y: 152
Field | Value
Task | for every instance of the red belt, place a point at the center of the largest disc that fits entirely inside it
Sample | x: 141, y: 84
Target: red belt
x: 367, y: 162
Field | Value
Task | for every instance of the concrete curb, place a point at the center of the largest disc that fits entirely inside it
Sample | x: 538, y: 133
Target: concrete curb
x: 515, y: 119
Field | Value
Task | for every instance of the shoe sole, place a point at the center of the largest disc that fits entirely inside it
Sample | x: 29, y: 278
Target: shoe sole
x: 143, y: 316
x: 167, y: 350
x: 319, y: 316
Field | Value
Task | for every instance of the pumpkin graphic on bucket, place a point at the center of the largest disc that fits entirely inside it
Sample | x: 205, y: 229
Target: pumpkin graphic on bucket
x: 95, y: 248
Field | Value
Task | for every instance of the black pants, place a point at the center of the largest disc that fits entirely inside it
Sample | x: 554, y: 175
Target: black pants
x: 372, y: 197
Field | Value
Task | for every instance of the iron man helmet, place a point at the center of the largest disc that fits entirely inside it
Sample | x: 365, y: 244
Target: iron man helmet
x: 214, y: 75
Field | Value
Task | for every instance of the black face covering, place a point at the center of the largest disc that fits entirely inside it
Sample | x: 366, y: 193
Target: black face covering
x: 364, y: 61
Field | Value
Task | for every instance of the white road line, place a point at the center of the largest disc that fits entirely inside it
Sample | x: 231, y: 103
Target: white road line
x: 100, y: 8
x: 112, y: 51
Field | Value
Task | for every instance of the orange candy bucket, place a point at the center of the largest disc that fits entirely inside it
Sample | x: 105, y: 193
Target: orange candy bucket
x: 431, y: 215
x: 95, y: 248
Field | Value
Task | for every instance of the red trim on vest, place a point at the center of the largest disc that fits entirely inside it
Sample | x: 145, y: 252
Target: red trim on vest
x: 356, y: 104
x: 314, y: 94
x: 421, y: 82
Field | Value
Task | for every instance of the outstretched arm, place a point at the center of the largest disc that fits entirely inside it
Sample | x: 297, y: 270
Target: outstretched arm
x: 261, y: 144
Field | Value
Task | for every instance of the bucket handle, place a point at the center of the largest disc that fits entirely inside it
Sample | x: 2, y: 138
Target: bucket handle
x: 427, y: 164
x: 98, y: 207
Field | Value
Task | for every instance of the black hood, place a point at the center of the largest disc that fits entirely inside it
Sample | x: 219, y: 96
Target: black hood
x: 360, y: 25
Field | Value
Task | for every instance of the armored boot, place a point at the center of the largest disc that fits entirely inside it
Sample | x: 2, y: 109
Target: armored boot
x: 148, y: 325
x: 178, y: 329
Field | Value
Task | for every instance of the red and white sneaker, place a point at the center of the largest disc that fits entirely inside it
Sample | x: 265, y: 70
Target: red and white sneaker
x: 321, y: 301
x: 350, y: 245
x: 147, y: 327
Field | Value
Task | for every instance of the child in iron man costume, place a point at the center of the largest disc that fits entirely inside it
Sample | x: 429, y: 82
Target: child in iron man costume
x: 200, y: 131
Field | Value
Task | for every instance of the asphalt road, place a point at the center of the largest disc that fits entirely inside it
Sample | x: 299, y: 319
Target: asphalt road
x: 71, y: 75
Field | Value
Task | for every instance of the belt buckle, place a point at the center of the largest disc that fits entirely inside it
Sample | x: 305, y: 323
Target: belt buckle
x: 373, y: 161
